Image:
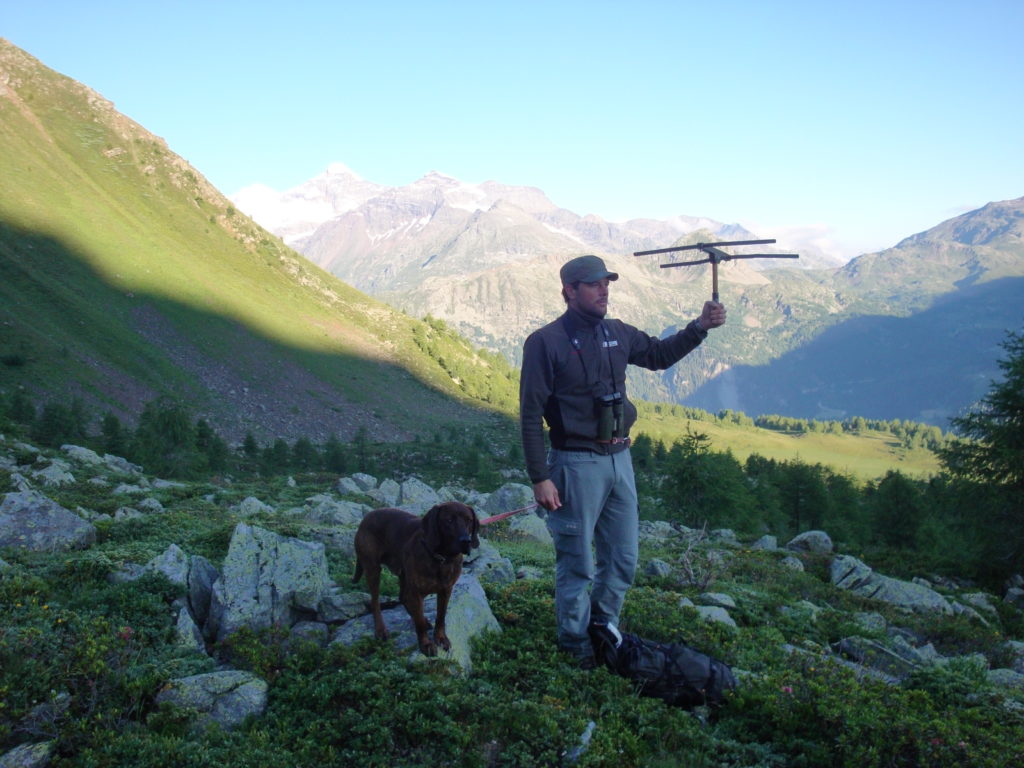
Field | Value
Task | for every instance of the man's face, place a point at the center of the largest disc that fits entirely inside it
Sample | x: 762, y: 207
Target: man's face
x: 589, y: 298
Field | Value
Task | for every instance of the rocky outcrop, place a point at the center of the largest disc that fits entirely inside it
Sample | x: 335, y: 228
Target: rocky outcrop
x: 851, y: 574
x: 30, y: 520
x: 223, y: 698
x: 267, y: 580
x: 469, y: 615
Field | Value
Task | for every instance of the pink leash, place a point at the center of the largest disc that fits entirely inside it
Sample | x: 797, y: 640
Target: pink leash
x: 503, y: 515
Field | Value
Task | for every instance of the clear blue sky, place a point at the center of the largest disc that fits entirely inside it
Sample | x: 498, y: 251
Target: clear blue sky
x: 870, y: 121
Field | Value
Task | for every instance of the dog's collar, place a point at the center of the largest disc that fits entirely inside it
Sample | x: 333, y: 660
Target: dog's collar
x: 440, y: 558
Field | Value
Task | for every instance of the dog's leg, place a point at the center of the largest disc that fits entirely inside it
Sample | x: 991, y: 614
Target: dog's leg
x: 440, y: 635
x: 413, y: 602
x: 372, y: 572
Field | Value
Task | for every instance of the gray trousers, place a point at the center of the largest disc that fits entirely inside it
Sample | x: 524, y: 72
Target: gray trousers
x: 595, y: 533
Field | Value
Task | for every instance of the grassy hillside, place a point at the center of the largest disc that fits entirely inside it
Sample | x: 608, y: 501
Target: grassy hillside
x: 128, y: 276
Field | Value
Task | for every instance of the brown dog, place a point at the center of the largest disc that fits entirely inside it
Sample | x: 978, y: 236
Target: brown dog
x: 426, y: 555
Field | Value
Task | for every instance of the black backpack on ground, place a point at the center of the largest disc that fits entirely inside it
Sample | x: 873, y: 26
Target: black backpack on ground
x: 673, y: 672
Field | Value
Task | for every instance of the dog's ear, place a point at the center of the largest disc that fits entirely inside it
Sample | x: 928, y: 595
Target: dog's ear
x: 475, y: 529
x: 432, y: 528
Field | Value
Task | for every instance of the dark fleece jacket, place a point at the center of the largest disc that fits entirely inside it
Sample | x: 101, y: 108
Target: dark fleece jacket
x: 569, y: 363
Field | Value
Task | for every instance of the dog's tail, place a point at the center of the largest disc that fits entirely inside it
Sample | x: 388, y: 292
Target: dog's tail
x: 359, y: 572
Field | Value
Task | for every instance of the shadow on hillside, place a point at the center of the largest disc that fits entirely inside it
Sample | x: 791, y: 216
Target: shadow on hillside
x: 66, y: 330
x: 884, y: 367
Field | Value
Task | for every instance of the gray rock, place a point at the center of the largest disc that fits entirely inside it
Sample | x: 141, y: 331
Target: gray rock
x: 127, y: 489
x: 851, y: 574
x: 267, y: 580
x: 150, y: 506
x: 657, y: 568
x: 127, y: 513
x: 792, y: 563
x: 364, y: 481
x: 29, y: 755
x: 172, y: 563
x: 347, y: 485
x: 338, y: 537
x: 386, y: 494
x: 30, y: 520
x: 315, y: 632
x: 56, y: 475
x: 529, y: 572
x: 815, y: 542
x: 532, y: 527
x: 656, y: 531
x: 324, y: 509
x: 1016, y: 651
x: 20, y: 483
x: 337, y: 606
x: 874, y: 654
x: 870, y: 622
x: 187, y: 634
x: 1015, y: 597
x: 225, y: 698
x: 716, y: 614
x: 508, y: 497
x: 82, y: 455
x: 250, y: 506
x: 121, y: 465
x: 416, y: 496
x: 980, y: 601
x: 766, y: 542
x: 469, y: 615
x: 716, y: 598
x: 1006, y: 678
x: 726, y: 536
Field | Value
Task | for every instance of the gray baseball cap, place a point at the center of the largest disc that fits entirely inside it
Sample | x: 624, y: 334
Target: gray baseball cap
x: 586, y: 269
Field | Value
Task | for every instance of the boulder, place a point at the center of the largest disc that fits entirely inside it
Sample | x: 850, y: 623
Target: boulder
x: 851, y: 574
x: 532, y: 527
x: 469, y: 615
x: 766, y: 542
x: 82, y: 455
x: 173, y: 564
x: 187, y: 634
x: 657, y: 568
x: 386, y: 494
x: 508, y: 497
x: 416, y: 496
x: 716, y: 613
x: 30, y: 520
x: 224, y: 698
x: 325, y: 509
x: 57, y: 474
x: 267, y: 580
x: 35, y: 755
x: 250, y: 506
x: 656, y: 531
x: 814, y: 542
x: 337, y: 606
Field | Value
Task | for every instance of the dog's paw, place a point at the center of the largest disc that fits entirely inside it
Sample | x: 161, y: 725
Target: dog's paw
x: 442, y: 640
x: 428, y: 649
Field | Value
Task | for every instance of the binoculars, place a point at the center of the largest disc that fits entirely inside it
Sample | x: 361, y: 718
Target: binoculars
x: 609, y: 417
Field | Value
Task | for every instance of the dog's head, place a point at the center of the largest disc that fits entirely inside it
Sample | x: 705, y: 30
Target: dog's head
x: 451, y: 529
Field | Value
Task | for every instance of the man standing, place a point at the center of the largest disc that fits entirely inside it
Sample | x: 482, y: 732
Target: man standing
x: 574, y: 378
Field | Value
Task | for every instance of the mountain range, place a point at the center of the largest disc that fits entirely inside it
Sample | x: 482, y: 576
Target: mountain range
x: 916, y: 327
